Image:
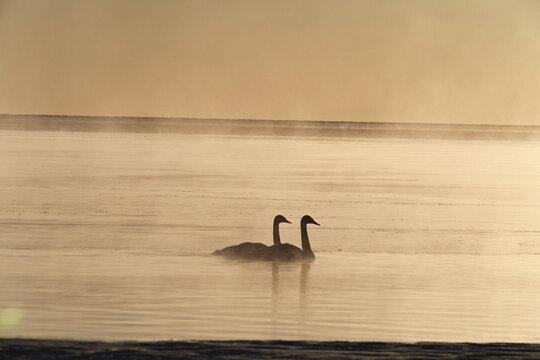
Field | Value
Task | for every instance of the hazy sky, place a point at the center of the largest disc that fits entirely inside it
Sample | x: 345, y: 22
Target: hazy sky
x: 408, y: 61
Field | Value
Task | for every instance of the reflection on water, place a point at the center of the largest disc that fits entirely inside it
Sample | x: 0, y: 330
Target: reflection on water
x: 108, y: 236
x: 121, y: 294
x: 302, y: 294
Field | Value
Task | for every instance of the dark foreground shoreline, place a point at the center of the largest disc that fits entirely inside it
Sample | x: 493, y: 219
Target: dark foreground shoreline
x: 64, y: 349
x: 331, y: 129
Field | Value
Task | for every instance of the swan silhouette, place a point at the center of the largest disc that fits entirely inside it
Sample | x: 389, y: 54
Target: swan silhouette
x: 250, y: 250
x: 288, y: 252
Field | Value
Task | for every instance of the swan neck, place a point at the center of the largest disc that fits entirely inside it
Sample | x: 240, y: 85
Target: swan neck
x: 306, y: 247
x: 277, y: 240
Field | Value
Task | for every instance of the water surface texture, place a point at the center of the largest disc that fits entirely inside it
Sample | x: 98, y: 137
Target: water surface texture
x: 108, y: 236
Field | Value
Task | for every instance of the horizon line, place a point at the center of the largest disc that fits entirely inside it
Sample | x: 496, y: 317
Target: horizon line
x: 267, y: 120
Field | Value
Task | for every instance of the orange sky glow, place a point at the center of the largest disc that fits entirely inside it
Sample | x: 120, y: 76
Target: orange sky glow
x: 421, y: 61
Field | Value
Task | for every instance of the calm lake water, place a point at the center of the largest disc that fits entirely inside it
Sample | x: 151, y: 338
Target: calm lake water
x: 108, y: 236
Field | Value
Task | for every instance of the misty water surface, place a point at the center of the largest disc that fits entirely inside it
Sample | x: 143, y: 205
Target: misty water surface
x: 109, y: 235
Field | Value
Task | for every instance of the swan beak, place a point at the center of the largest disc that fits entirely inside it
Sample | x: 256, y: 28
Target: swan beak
x: 287, y: 221
x: 316, y: 223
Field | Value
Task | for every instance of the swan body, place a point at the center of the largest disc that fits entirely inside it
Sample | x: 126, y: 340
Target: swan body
x: 251, y: 250
x: 247, y: 250
x: 284, y: 252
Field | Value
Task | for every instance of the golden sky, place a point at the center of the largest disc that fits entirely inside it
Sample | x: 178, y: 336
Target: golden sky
x: 446, y: 61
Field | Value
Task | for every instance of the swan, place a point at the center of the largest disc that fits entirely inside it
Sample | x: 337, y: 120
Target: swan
x: 288, y: 252
x: 250, y: 250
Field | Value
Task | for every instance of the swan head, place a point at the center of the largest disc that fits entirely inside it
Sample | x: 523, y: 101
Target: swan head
x: 309, y: 220
x: 280, y: 219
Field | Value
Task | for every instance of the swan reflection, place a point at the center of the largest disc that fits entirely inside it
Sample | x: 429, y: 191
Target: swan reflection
x: 303, y: 293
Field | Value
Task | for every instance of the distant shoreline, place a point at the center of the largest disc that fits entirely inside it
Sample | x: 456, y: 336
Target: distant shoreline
x: 266, y: 127
x: 65, y: 349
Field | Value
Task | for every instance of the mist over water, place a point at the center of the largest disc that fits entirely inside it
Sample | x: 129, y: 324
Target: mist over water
x: 109, y: 235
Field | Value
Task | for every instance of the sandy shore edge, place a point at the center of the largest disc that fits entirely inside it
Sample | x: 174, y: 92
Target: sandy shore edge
x: 65, y: 349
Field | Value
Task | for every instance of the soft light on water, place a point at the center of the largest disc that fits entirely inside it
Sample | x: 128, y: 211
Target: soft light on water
x: 108, y: 236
